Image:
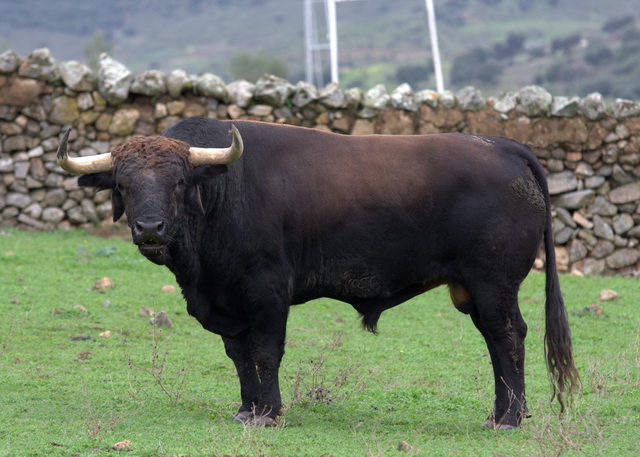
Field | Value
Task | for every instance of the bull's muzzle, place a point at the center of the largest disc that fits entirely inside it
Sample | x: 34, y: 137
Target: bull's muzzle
x: 149, y: 236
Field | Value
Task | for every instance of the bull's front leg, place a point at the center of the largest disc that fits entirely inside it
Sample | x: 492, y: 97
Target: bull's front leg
x: 257, y: 356
x: 264, y: 299
x: 267, y: 345
x: 238, y: 339
x: 239, y: 351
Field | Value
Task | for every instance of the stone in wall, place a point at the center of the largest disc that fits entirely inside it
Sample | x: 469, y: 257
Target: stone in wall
x: 333, y: 96
x: 533, y: 101
x: 114, y: 80
x: 377, y: 98
x: 504, y: 102
x: 427, y: 97
x: 304, y: 93
x: 627, y: 193
x: 403, y: 98
x: 470, y: 99
x: 179, y: 82
x: 9, y: 62
x: 273, y: 90
x: 210, y: 85
x: 395, y: 122
x: 124, y: 121
x: 19, y: 92
x: 241, y: 93
x: 447, y: 99
x: 592, y: 106
x: 151, y: 83
x: 625, y: 108
x: 77, y: 76
x: 39, y: 65
x: 355, y: 97
x: 64, y: 110
x: 565, y: 106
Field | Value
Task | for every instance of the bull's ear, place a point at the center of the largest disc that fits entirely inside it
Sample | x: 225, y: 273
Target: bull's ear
x: 194, y: 198
x: 101, y: 181
x: 104, y: 181
x: 202, y: 174
x: 117, y: 207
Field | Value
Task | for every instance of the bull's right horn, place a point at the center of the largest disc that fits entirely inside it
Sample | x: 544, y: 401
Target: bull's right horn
x: 218, y: 156
x: 82, y: 165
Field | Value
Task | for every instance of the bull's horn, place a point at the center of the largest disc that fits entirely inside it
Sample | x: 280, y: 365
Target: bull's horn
x: 218, y: 156
x: 82, y: 165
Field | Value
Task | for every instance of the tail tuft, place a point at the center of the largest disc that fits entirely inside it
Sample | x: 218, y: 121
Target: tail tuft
x: 564, y: 376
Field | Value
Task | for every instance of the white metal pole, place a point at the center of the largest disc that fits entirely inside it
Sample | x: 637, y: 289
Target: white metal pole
x: 435, y: 50
x: 308, y: 43
x: 333, y: 39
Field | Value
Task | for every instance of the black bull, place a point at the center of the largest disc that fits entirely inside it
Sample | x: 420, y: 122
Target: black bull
x: 372, y: 221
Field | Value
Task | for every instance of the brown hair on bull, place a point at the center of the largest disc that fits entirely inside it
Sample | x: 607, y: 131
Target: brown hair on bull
x: 154, y: 150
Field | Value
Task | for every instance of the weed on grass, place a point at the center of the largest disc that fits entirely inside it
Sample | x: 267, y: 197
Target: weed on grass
x: 313, y: 385
x: 100, y: 419
x: 423, y: 386
x: 169, y: 378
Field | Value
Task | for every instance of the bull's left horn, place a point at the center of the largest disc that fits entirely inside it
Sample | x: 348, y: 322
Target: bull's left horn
x: 218, y: 156
x: 82, y: 165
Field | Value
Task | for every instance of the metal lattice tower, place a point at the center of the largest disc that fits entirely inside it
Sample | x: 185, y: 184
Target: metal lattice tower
x: 314, y: 47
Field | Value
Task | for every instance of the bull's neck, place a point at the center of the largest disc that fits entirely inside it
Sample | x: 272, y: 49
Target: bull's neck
x: 204, y: 237
x: 185, y: 264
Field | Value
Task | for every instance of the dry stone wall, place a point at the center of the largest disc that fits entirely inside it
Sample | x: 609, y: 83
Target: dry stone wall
x: 590, y: 150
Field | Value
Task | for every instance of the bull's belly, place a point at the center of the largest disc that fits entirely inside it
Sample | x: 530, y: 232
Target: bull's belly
x: 347, y: 281
x: 371, y: 292
x: 351, y: 283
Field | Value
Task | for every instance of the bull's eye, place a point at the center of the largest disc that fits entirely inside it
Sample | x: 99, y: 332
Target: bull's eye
x: 180, y: 182
x: 120, y: 188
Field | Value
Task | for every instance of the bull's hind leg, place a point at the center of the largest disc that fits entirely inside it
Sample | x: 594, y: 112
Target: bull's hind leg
x: 497, y: 316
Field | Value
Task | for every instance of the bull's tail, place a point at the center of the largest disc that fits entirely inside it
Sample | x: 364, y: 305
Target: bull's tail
x: 557, y: 340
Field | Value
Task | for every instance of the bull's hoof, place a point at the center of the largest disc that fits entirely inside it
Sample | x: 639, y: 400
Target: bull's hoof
x: 262, y: 421
x: 493, y: 425
x: 248, y: 418
x: 242, y: 416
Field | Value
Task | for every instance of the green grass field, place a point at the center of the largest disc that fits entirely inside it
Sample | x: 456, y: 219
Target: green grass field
x: 426, y: 380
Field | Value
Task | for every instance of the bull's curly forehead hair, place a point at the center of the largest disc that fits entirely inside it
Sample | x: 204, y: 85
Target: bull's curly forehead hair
x: 153, y: 149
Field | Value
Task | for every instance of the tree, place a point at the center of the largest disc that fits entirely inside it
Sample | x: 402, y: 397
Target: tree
x: 618, y: 23
x: 598, y: 53
x: 94, y: 47
x: 512, y: 46
x: 475, y: 66
x: 414, y: 74
x: 565, y: 44
x: 251, y: 67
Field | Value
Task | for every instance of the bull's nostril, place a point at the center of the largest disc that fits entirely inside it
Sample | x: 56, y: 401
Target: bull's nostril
x: 137, y: 228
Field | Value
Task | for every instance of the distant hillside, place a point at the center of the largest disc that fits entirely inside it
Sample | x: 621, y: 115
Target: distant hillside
x: 572, y: 47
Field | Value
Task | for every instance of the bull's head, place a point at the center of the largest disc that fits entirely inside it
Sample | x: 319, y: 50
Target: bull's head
x: 155, y: 181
